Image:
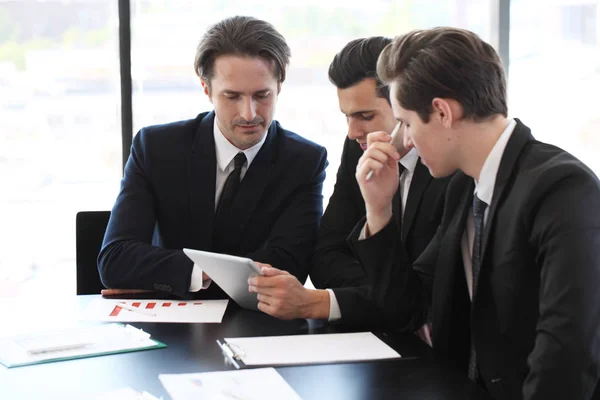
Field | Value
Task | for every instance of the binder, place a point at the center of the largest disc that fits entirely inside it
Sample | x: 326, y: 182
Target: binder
x: 74, y: 343
x: 305, y: 349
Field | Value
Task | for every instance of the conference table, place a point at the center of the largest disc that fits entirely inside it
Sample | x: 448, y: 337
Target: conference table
x: 192, y: 348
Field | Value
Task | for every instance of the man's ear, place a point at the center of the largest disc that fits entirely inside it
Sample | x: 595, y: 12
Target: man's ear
x: 446, y: 111
x: 205, y: 88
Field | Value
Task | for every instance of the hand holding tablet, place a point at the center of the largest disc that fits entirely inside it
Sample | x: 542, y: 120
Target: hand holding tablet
x: 231, y: 273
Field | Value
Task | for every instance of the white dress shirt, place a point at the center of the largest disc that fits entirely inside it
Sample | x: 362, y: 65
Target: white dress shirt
x: 225, y: 152
x: 484, y: 189
x: 409, y: 162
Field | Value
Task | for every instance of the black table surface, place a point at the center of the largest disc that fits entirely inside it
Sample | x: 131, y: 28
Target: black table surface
x: 193, y: 348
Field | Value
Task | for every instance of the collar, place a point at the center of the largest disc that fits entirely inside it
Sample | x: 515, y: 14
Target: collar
x: 226, y: 151
x: 409, y: 161
x: 484, y: 189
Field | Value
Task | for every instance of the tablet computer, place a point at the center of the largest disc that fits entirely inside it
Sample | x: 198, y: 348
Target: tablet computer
x: 231, y: 273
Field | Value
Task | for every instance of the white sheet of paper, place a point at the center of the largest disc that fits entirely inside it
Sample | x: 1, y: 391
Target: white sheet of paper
x: 68, y: 343
x: 249, y: 384
x: 126, y: 393
x: 311, y: 349
x: 191, y: 311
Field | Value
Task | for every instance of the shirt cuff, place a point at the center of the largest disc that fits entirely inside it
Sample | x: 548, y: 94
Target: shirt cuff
x: 335, y: 313
x: 197, y: 283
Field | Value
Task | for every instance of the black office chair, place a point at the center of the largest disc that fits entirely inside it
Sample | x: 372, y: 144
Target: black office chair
x: 89, y: 227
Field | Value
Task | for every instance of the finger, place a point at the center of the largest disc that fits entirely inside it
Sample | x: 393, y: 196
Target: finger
x: 386, y: 148
x: 264, y: 282
x: 378, y: 136
x: 266, y: 308
x: 270, y: 271
x: 380, y: 152
x: 261, y: 265
x: 117, y: 292
x: 271, y: 292
x: 370, y: 165
x: 265, y: 298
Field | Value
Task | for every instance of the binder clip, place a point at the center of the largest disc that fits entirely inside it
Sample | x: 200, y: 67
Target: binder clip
x: 233, y: 353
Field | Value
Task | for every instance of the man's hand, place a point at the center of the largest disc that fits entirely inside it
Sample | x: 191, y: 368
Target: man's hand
x: 281, y: 295
x: 382, y: 158
x: 120, y: 292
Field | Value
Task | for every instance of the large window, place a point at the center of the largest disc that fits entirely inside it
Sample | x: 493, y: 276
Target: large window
x: 60, y: 129
x: 554, y: 73
x: 60, y: 136
x: 165, y: 35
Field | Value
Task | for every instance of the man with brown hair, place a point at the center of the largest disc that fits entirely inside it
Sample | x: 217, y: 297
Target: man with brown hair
x: 512, y: 273
x: 230, y: 181
x: 418, y: 204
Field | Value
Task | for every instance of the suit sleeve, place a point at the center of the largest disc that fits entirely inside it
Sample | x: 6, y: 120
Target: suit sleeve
x: 357, y: 307
x: 401, y: 290
x: 127, y: 258
x: 291, y: 241
x: 333, y: 264
x: 565, y: 361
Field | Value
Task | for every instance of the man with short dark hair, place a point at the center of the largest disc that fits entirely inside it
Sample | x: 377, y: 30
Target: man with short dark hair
x: 230, y: 181
x: 418, y: 204
x: 514, y: 297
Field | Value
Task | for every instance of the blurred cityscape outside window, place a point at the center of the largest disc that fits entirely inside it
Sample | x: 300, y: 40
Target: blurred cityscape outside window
x: 554, y: 73
x: 60, y: 138
x: 60, y: 135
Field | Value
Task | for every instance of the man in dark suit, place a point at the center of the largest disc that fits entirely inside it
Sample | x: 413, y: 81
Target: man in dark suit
x: 418, y: 203
x: 515, y: 299
x: 231, y: 181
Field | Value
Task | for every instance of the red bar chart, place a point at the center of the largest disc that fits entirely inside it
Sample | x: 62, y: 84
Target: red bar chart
x: 123, y: 305
x: 184, y: 311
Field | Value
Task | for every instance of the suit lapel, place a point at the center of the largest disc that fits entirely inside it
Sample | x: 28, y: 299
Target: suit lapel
x: 420, y: 180
x: 201, y: 182
x: 520, y: 136
x: 448, y: 268
x: 251, y: 189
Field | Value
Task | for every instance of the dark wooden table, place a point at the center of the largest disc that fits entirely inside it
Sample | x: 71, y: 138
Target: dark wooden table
x: 192, y: 348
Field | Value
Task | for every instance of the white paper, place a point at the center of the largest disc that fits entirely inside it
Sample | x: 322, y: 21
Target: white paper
x: 192, y: 311
x: 311, y: 349
x: 249, y: 384
x: 69, y: 343
x: 125, y: 394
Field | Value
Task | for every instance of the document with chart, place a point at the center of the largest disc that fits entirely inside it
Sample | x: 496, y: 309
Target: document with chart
x: 192, y: 311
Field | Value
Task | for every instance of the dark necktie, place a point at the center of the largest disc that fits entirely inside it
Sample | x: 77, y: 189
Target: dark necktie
x: 478, y: 214
x: 397, y: 208
x: 226, y: 200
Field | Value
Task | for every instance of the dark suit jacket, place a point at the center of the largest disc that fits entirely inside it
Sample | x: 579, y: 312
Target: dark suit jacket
x: 167, y: 203
x: 535, y: 318
x: 334, y: 264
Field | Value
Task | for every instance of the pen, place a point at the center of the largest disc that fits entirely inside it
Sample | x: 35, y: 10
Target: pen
x: 127, y: 307
x: 394, y: 133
